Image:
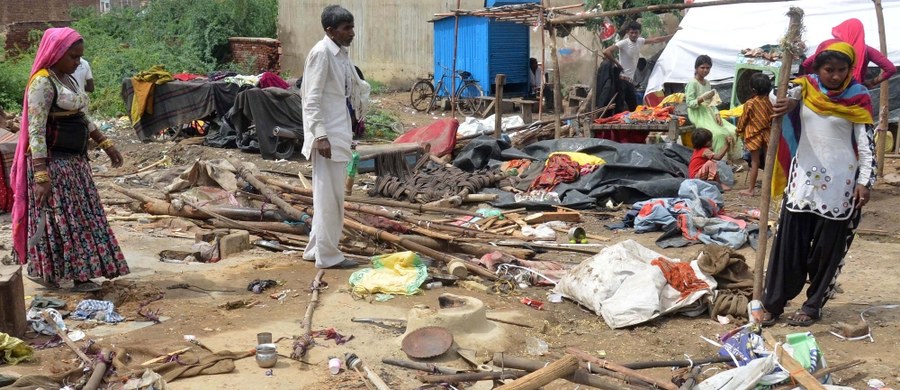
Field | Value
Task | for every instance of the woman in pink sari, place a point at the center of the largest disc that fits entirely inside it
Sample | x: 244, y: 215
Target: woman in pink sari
x: 59, y: 226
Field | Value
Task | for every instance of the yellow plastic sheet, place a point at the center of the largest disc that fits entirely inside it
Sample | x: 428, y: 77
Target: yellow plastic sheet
x: 13, y: 350
x: 397, y: 273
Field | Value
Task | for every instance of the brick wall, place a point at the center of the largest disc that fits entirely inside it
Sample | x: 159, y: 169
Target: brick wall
x: 264, y: 53
x: 12, y: 11
x: 17, y: 34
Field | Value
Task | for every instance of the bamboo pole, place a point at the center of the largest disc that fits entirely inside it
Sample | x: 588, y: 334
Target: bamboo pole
x: 557, y: 87
x: 471, y: 376
x: 99, y: 372
x: 620, y: 369
x: 581, y: 376
x: 793, y: 35
x: 533, y: 381
x: 420, y: 208
x: 452, y: 88
x: 499, y: 81
x: 543, y: 66
x: 882, y: 128
x: 652, y: 8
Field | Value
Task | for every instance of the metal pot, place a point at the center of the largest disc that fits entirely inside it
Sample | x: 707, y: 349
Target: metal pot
x: 266, y: 355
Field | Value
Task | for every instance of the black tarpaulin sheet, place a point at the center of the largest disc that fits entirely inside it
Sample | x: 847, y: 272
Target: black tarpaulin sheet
x: 266, y: 108
x: 632, y: 173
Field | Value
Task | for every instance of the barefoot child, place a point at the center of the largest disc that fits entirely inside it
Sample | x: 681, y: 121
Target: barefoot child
x: 703, y: 164
x: 755, y: 124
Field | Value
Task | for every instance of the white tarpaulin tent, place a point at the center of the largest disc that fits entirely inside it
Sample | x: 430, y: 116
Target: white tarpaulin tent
x: 722, y: 31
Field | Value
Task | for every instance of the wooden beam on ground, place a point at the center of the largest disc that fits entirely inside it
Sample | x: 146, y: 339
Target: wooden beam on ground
x: 533, y: 381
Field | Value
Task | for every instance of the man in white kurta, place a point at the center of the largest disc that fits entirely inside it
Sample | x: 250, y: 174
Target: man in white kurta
x: 326, y: 87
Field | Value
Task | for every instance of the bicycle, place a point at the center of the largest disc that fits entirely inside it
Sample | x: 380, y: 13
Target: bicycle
x: 424, y: 94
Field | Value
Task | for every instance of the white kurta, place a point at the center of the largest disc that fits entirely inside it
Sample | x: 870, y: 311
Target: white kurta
x: 326, y: 87
x: 833, y: 156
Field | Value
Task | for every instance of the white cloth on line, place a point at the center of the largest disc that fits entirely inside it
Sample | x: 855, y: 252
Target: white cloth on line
x: 328, y: 182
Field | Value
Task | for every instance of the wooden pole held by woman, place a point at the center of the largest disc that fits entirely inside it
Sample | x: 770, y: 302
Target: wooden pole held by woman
x: 793, y: 35
x: 882, y: 127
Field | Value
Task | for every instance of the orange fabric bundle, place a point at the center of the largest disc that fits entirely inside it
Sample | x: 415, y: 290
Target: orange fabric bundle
x: 680, y: 276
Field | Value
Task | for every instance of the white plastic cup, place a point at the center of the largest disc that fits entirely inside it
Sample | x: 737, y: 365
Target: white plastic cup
x: 334, y: 365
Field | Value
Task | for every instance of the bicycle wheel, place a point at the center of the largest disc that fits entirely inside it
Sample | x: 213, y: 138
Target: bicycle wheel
x: 420, y: 95
x: 468, y: 99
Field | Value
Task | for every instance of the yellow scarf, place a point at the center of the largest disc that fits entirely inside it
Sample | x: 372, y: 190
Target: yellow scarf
x: 840, y: 104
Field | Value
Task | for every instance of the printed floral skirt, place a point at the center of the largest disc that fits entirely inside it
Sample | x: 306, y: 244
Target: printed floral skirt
x: 77, y: 242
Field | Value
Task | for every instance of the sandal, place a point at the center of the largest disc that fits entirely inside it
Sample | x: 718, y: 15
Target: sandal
x: 769, y: 319
x: 43, y: 283
x: 84, y: 287
x: 802, y: 319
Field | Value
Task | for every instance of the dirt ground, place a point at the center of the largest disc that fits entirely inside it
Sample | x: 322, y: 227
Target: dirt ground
x: 869, y: 278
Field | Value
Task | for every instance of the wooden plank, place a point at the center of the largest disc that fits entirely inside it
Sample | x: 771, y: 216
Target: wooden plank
x: 12, y: 306
x: 546, y: 216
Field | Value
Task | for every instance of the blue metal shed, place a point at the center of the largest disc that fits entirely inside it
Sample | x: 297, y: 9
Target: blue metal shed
x: 485, y: 48
x: 497, y: 3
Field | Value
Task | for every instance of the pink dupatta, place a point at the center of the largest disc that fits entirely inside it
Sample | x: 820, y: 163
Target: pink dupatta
x: 54, y: 44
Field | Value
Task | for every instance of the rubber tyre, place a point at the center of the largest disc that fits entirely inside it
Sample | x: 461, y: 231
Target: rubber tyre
x: 284, y: 148
x: 468, y: 100
x: 420, y: 95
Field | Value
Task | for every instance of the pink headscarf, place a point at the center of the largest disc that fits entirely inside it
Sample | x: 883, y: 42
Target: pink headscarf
x: 853, y: 32
x: 54, y: 44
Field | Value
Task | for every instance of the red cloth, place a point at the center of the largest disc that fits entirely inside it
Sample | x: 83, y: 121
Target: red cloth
x: 6, y: 200
x: 270, y: 79
x: 680, y: 276
x: 187, y: 76
x: 560, y: 169
x: 697, y: 161
x: 441, y: 135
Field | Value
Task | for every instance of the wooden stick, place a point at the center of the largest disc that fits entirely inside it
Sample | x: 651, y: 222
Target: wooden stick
x: 581, y: 376
x: 793, y: 35
x: 420, y: 208
x: 494, y: 319
x: 311, y: 306
x: 822, y: 372
x: 166, y: 356
x: 559, y: 369
x: 794, y: 368
x: 650, y: 8
x: 620, y: 369
x: 499, y: 81
x: 427, y: 367
x: 557, y: 87
x: 65, y: 338
x: 99, y: 370
x: 884, y: 97
x: 472, y: 376
x: 676, y: 363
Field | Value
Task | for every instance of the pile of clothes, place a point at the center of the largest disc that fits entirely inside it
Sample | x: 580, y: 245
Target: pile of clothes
x: 695, y: 216
x: 644, y: 114
x: 565, y: 167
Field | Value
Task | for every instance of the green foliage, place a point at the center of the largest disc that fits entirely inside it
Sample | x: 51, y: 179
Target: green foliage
x: 651, y: 23
x: 13, y: 77
x: 183, y: 36
x: 380, y: 125
x: 378, y: 87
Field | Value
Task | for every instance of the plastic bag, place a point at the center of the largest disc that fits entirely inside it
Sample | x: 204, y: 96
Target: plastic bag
x: 396, y: 273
